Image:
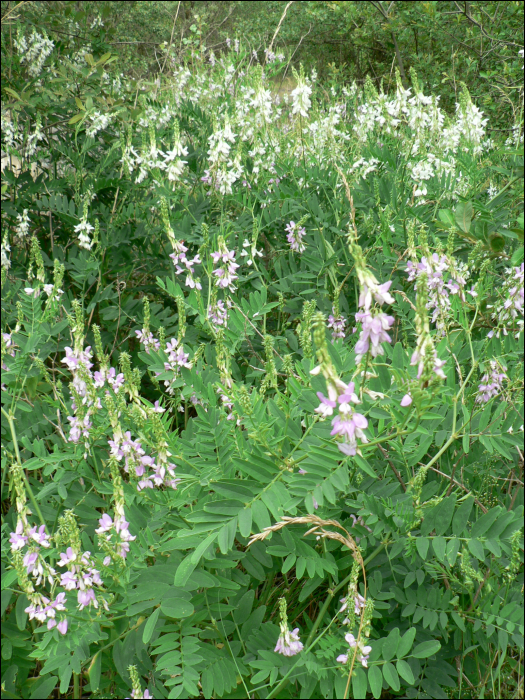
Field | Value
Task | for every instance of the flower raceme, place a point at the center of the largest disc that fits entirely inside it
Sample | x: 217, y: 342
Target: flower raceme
x: 491, y: 383
x: 337, y: 323
x: 226, y: 273
x: 288, y: 643
x: 295, y: 235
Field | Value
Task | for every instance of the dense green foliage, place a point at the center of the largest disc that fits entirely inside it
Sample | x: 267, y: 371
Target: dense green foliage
x: 262, y: 400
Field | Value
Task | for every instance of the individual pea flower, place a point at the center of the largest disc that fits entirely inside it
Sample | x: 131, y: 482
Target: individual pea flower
x: 406, y: 400
x: 350, y: 425
x: 17, y: 538
x: 491, y: 383
x: 288, y: 643
x: 295, y: 237
x: 37, y: 566
x: 363, y: 652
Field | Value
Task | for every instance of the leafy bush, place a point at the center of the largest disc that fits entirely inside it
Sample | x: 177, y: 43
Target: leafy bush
x: 219, y: 484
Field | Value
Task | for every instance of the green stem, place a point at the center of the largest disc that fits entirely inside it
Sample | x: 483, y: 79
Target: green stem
x: 19, y: 460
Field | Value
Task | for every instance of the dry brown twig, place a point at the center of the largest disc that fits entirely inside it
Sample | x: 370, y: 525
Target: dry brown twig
x: 318, y: 529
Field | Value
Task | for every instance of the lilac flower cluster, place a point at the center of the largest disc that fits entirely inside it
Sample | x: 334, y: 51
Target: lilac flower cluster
x: 374, y: 324
x: 337, y: 323
x: 120, y: 527
x: 225, y: 274
x: 80, y: 365
x: 439, y: 290
x: 146, y: 338
x: 179, y: 258
x: 373, y: 333
x: 359, y: 603
x: 289, y: 643
x: 73, y: 362
x: 252, y: 253
x: 146, y: 695
x: 418, y: 358
x: 295, y: 237
x: 363, y: 652
x: 8, y: 348
x: 371, y: 290
x: 217, y: 314
x: 226, y: 402
x: 508, y: 311
x: 79, y: 427
x: 348, y: 423
x: 114, y: 380
x: 491, y: 383
x: 136, y: 461
x: 177, y: 359
x: 176, y: 356
x: 42, y: 608
x: 80, y: 576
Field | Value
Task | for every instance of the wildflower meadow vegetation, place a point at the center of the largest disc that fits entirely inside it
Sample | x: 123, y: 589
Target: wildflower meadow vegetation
x: 262, y: 375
